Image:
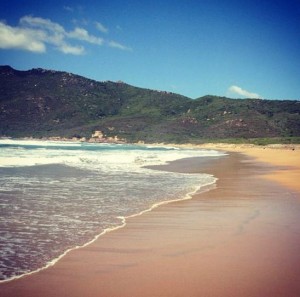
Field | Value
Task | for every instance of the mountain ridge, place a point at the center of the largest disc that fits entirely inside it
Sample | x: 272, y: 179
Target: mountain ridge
x: 45, y: 103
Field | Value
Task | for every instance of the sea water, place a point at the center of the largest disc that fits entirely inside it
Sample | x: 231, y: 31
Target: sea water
x: 55, y: 196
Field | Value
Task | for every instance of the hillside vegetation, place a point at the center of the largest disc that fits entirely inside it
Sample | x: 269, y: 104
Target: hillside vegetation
x: 45, y: 103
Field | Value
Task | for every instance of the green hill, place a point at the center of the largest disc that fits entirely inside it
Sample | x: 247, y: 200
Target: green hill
x: 45, y: 103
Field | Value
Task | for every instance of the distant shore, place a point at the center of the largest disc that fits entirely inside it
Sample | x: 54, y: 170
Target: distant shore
x: 99, y: 137
x: 239, y: 239
x: 287, y: 157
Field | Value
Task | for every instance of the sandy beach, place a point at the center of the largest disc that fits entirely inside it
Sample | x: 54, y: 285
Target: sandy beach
x: 240, y: 238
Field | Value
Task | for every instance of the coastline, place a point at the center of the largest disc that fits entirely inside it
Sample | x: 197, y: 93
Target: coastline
x: 122, y: 223
x: 125, y: 262
x: 285, y: 157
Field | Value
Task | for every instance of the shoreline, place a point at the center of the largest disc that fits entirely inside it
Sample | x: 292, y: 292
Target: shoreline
x: 123, y: 222
x: 31, y: 282
x: 285, y: 157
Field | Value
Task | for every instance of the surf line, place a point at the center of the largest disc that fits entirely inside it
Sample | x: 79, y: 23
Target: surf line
x: 123, y: 219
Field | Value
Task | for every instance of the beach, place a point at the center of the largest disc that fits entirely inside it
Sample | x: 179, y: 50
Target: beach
x: 240, y: 237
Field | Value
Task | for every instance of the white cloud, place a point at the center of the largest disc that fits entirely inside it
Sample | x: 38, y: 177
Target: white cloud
x: 75, y: 50
x: 120, y: 46
x: 19, y: 38
x: 54, y: 34
x: 40, y: 23
x: 101, y: 27
x: 82, y: 34
x: 239, y: 91
x: 35, y: 34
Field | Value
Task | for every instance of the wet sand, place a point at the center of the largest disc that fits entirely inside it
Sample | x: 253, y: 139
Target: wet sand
x: 240, y: 239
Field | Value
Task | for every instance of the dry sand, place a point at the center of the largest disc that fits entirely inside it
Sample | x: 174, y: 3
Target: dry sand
x: 287, y: 157
x: 241, y: 239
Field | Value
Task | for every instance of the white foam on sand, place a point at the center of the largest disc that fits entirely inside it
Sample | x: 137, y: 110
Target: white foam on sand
x: 123, y: 223
x: 111, y: 162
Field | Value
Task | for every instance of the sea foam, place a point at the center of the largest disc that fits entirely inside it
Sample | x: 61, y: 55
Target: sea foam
x: 56, y: 197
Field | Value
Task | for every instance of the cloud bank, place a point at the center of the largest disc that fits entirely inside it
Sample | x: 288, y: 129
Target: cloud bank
x: 36, y: 34
x: 241, y: 92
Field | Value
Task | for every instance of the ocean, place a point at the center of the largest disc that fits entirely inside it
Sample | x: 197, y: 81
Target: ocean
x: 57, y: 196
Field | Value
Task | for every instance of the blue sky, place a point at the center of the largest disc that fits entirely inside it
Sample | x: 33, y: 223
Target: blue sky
x: 227, y: 48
